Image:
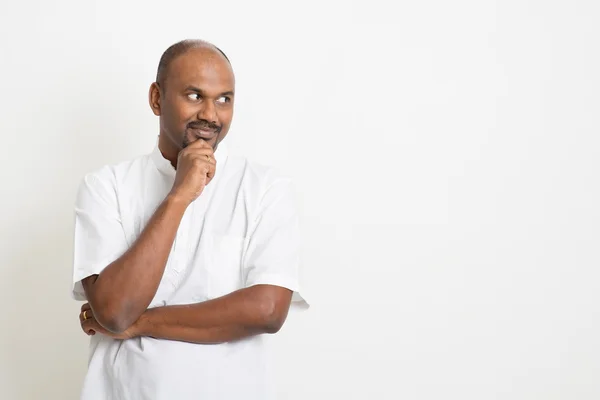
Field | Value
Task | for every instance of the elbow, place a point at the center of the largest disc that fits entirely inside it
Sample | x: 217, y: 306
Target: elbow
x: 113, y: 312
x: 272, y: 316
x: 113, y: 321
x: 273, y: 327
x: 115, y: 325
x: 112, y: 316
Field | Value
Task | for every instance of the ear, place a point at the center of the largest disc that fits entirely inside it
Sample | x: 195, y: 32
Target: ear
x: 154, y: 98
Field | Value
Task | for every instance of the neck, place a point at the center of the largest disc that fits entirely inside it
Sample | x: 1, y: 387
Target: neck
x: 168, y: 149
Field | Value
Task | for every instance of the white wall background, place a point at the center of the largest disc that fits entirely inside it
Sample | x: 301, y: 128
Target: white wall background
x: 447, y: 155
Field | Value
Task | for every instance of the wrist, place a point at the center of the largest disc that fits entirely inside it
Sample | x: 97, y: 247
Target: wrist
x: 140, y: 327
x: 176, y: 200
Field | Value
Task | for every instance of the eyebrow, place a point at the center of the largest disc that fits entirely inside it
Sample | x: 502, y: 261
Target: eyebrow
x: 200, y: 91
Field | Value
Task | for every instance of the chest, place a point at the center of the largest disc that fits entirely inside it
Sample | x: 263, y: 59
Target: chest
x: 207, y: 257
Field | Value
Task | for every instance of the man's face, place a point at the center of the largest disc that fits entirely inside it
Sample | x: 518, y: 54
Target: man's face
x: 196, y: 100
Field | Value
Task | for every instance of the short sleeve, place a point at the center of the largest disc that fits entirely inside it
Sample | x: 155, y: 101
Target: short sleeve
x: 273, y: 252
x: 99, y: 235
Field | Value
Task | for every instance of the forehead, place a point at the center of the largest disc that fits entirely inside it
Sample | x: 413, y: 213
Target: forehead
x: 203, y: 68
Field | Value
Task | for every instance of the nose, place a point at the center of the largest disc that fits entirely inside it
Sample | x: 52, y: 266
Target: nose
x: 208, y: 112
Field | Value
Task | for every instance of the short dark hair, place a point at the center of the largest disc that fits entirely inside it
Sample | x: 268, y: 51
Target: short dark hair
x: 178, y: 49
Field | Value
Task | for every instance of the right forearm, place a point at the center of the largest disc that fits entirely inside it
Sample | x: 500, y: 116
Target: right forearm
x: 125, y: 288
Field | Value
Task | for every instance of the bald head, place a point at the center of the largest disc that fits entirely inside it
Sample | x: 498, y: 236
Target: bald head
x: 180, y: 48
x: 193, y: 95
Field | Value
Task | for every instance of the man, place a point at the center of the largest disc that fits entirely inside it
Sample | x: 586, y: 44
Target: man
x: 186, y: 256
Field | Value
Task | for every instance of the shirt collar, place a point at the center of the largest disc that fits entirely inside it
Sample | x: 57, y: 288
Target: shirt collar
x: 164, y: 165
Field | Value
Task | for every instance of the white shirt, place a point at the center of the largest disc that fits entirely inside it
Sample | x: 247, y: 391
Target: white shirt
x: 241, y: 231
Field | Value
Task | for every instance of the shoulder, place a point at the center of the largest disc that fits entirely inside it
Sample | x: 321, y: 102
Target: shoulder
x: 262, y: 188
x: 257, y: 177
x: 105, y: 181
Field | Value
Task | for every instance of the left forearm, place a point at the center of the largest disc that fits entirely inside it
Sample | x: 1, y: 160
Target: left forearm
x: 243, y: 313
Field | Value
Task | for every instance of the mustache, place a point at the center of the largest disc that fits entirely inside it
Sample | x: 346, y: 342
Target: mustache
x: 201, y: 124
x: 204, y: 125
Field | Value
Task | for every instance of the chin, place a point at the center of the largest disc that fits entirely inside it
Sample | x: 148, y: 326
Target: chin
x: 212, y: 142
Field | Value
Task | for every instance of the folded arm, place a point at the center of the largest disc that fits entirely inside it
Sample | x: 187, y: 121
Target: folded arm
x: 123, y: 290
x: 243, y: 313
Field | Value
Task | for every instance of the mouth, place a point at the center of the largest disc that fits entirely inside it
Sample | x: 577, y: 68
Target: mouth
x: 206, y: 134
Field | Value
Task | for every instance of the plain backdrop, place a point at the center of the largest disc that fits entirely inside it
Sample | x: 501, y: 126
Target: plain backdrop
x: 446, y: 155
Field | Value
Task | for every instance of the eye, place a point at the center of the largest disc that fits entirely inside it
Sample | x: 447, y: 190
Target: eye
x: 193, y: 96
x: 224, y: 99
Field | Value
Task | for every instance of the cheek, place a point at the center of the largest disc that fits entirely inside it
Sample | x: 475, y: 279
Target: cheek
x: 180, y: 112
x: 184, y: 113
x: 225, y: 117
